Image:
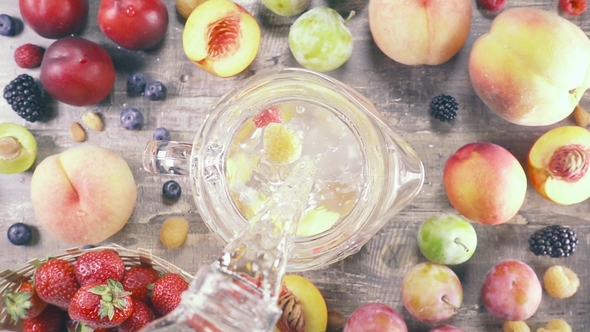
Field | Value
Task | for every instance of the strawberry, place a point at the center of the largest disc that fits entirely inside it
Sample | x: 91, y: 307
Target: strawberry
x: 23, y: 301
x: 52, y: 319
x: 55, y: 282
x: 28, y: 56
x: 268, y: 115
x: 141, y: 316
x: 137, y: 279
x: 101, y: 304
x: 73, y: 326
x: 166, y: 292
x: 99, y: 266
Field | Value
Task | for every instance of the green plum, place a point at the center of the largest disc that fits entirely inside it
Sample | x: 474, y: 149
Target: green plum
x: 320, y: 40
x: 18, y: 148
x: 447, y: 239
x: 286, y: 7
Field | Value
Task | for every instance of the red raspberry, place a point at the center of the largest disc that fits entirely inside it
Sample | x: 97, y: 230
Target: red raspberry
x: 492, y: 5
x: 573, y: 7
x: 268, y: 115
x: 28, y: 56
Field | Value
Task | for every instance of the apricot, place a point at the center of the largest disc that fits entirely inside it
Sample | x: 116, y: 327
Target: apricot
x: 83, y: 195
x: 532, y: 67
x: 221, y: 37
x: 558, y: 165
x: 418, y: 32
x: 485, y: 183
x: 306, y: 296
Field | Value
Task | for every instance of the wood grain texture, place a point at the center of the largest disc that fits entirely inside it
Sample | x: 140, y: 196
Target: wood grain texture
x: 401, y: 93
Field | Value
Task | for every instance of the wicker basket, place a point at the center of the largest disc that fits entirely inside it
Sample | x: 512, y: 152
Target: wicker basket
x: 10, y: 278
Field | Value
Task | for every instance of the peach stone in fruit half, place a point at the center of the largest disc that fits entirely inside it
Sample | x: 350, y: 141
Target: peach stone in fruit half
x: 485, y: 183
x: 83, y: 195
x: 315, y: 310
x: 558, y: 165
x: 420, y: 32
x: 221, y: 37
x: 532, y: 67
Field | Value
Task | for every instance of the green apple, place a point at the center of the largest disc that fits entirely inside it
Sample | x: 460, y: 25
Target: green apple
x: 447, y: 239
x: 18, y: 148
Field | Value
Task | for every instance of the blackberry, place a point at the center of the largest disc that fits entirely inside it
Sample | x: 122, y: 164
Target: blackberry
x: 25, y: 97
x: 444, y: 107
x: 555, y: 241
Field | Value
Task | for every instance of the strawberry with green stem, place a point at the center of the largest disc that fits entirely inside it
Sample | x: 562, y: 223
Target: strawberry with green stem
x: 23, y: 301
x: 52, y: 319
x: 101, y: 305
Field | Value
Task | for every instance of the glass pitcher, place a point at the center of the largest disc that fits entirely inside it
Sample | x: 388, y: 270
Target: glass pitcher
x: 366, y: 173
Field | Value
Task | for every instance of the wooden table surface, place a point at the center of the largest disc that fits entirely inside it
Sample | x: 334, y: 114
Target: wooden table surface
x: 402, y: 93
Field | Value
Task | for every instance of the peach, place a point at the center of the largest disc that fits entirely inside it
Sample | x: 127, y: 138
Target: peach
x: 221, y: 37
x: 83, y: 195
x: 558, y: 165
x: 532, y: 67
x: 311, y: 300
x: 485, y: 183
x: 418, y: 32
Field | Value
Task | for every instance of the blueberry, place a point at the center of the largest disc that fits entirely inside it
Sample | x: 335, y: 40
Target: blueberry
x: 155, y: 90
x: 161, y: 134
x: 171, y: 189
x: 131, y: 119
x: 7, y: 26
x: 88, y: 246
x: 20, y: 234
x: 136, y: 83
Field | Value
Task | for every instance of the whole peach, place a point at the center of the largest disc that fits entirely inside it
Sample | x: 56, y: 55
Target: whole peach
x: 532, y: 67
x: 418, y: 32
x: 83, y: 195
x: 485, y: 183
x: 511, y: 291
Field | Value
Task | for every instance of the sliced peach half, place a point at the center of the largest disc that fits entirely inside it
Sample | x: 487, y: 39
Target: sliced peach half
x: 221, y: 37
x: 558, y: 165
x: 303, y: 305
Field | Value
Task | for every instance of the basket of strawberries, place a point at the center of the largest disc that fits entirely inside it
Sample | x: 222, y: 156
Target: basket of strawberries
x: 107, y: 288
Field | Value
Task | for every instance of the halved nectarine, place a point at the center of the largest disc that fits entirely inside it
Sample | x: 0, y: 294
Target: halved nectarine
x: 221, y: 37
x: 302, y: 296
x: 558, y: 165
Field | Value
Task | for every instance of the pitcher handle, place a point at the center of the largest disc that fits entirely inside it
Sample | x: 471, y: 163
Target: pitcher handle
x: 167, y: 157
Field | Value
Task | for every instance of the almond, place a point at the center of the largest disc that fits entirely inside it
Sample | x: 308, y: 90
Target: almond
x: 581, y: 116
x: 77, y: 132
x: 92, y: 120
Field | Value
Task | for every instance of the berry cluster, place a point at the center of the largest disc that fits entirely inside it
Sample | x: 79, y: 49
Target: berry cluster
x: 444, y: 107
x: 96, y: 291
x: 25, y: 97
x: 555, y: 241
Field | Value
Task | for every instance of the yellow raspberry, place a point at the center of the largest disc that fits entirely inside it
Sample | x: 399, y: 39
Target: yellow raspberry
x: 556, y: 325
x: 281, y: 144
x: 174, y: 232
x: 560, y: 282
x: 515, y: 326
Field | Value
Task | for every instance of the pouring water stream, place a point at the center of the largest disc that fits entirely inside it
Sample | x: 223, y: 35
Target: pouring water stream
x: 239, y: 291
